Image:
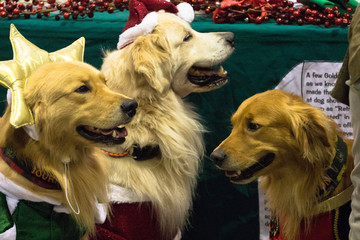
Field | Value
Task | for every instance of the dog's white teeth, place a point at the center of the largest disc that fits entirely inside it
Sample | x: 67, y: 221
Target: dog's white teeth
x: 195, y: 73
x: 222, y: 71
x: 114, y: 134
x: 238, y: 172
x: 216, y: 84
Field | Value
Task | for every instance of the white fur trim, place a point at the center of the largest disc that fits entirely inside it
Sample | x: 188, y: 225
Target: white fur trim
x: 62, y: 209
x: 186, y: 11
x: 125, y: 195
x: 12, y: 204
x: 101, y: 213
x: 10, y: 234
x: 29, y: 129
x: 12, y: 190
x: 146, y: 26
x: 178, y: 235
x: 14, y: 193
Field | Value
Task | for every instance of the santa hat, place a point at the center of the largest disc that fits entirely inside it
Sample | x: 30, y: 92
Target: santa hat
x: 143, y: 17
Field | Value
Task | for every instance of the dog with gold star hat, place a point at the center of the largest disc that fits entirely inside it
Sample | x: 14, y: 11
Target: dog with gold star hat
x: 52, y: 173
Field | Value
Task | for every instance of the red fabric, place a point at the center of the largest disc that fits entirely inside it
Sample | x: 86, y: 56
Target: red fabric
x: 130, y: 221
x: 321, y: 229
x: 138, y: 9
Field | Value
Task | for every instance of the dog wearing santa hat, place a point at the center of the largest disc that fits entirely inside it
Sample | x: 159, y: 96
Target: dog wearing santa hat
x: 159, y: 60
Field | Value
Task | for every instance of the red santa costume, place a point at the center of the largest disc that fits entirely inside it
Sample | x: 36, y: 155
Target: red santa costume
x: 132, y: 218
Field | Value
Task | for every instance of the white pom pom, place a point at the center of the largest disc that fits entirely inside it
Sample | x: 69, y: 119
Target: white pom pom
x: 186, y: 11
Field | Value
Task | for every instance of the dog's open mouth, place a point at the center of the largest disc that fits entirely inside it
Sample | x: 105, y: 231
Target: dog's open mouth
x: 108, y: 136
x: 237, y: 176
x: 213, y: 76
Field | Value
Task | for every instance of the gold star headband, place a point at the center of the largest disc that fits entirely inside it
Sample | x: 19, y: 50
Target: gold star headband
x: 26, y: 58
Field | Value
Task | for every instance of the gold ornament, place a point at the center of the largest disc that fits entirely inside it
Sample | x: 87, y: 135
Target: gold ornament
x: 26, y: 58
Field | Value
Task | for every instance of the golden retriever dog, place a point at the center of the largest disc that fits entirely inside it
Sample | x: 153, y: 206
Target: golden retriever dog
x: 156, y: 70
x: 53, y: 184
x: 301, y: 159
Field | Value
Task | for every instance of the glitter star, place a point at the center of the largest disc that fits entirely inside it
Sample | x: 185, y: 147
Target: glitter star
x: 26, y: 58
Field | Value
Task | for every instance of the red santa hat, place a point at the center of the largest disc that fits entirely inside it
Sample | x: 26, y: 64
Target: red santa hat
x: 143, y: 17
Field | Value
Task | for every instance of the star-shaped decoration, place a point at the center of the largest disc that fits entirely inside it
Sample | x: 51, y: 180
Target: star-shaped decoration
x: 26, y: 58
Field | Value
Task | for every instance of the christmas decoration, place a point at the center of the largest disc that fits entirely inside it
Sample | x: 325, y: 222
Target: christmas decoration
x: 317, y: 12
x: 27, y: 57
x: 283, y: 12
x: 51, y: 8
x: 143, y: 18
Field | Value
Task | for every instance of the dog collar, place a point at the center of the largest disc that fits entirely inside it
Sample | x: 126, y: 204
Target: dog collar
x: 337, y: 168
x: 138, y: 153
x: 116, y: 155
x: 32, y: 173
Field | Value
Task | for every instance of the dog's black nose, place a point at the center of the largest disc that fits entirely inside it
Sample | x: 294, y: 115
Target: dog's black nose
x: 129, y: 107
x: 218, y: 157
x: 231, y: 42
x: 230, y: 38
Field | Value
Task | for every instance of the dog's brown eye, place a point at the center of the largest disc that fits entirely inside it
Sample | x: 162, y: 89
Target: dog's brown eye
x: 187, y: 37
x: 83, y: 89
x: 253, y: 126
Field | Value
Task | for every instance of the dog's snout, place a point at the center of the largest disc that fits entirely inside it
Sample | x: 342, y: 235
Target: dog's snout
x: 129, y: 107
x: 230, y: 38
x: 218, y: 157
x: 231, y: 42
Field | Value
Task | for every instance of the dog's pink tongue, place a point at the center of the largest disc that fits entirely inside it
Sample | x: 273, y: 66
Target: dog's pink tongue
x: 122, y: 133
x: 230, y: 173
x: 118, y: 132
x: 106, y: 131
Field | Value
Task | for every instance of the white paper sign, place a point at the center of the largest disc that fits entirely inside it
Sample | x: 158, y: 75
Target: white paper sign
x: 314, y: 82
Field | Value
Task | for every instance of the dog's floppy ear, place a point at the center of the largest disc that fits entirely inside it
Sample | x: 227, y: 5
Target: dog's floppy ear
x: 151, y: 59
x: 313, y: 131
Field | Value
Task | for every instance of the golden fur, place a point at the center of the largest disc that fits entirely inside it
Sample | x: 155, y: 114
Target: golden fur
x: 58, y: 109
x: 152, y: 70
x: 302, y: 139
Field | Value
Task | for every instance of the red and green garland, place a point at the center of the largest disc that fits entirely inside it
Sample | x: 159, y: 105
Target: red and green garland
x: 317, y: 12
x: 283, y: 12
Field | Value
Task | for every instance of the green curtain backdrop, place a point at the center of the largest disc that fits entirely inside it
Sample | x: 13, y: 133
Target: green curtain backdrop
x: 264, y: 54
